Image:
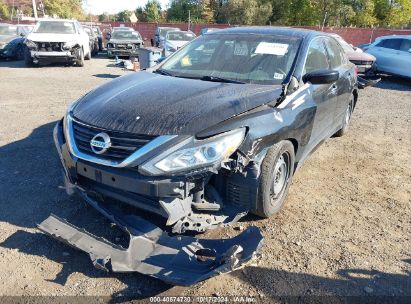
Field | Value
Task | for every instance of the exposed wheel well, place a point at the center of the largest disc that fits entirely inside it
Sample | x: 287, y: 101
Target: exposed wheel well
x: 355, y: 93
x: 295, y: 144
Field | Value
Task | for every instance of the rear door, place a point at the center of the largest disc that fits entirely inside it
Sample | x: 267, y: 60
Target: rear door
x: 340, y: 63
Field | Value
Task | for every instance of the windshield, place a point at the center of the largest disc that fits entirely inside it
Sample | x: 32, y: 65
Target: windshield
x: 55, y: 27
x: 126, y: 35
x: 260, y: 59
x: 180, y: 36
x: 9, y: 30
x: 164, y: 31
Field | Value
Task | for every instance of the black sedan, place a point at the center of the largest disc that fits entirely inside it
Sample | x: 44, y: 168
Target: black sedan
x: 215, y: 131
x: 12, y: 40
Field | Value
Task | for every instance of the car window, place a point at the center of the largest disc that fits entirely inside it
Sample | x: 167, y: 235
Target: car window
x: 334, y: 53
x: 405, y: 45
x: 393, y: 44
x: 259, y: 59
x: 55, y: 27
x: 316, y: 57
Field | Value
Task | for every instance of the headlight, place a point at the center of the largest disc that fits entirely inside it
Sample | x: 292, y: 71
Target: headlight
x: 69, y: 44
x: 196, y: 154
x: 30, y: 44
x: 2, y: 45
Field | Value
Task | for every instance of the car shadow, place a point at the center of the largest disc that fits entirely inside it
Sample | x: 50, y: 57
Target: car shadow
x: 360, y: 285
x: 106, y: 76
x: 395, y: 83
x: 31, y: 189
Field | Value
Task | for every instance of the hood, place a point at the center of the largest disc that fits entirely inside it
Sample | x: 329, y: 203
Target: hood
x: 125, y: 41
x: 175, y: 44
x: 357, y: 56
x: 4, y: 39
x: 152, y: 104
x: 46, y: 37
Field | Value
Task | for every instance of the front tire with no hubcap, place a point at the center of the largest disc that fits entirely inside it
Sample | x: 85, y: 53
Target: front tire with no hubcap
x: 277, y: 171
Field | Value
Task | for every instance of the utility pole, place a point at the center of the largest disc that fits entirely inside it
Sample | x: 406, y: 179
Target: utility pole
x: 189, y: 20
x: 35, y: 9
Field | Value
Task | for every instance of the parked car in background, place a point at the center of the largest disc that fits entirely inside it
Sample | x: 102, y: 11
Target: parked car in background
x: 124, y: 43
x: 363, y: 61
x: 363, y: 46
x: 122, y: 28
x: 244, y: 108
x: 393, y: 55
x: 12, y: 40
x: 94, y: 47
x: 175, y: 40
x: 208, y: 30
x: 99, y: 35
x: 57, y: 40
x: 160, y: 35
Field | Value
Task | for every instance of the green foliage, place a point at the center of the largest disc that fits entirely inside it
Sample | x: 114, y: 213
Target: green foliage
x: 64, y: 8
x: 124, y: 16
x: 153, y: 11
x: 4, y: 11
x: 245, y: 12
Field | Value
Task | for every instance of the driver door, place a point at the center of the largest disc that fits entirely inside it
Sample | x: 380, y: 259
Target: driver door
x: 324, y: 95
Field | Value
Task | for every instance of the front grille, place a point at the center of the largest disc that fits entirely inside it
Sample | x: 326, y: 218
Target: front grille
x: 50, y: 46
x: 122, y: 144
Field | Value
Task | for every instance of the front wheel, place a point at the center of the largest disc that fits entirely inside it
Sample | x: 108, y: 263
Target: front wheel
x: 80, y: 57
x: 277, y: 171
x: 28, y: 60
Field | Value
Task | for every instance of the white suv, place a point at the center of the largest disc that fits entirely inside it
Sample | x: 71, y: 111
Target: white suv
x: 57, y: 40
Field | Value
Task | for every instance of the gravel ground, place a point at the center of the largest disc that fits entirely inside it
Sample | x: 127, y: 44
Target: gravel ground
x: 345, y: 229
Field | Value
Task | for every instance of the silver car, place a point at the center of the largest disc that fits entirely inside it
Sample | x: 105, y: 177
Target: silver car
x: 393, y: 55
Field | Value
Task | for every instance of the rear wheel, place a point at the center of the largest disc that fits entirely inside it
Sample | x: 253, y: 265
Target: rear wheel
x: 347, y: 118
x: 277, y: 171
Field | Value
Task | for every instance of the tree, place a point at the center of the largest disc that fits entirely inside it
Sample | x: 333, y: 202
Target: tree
x: 152, y: 11
x: 124, y: 16
x: 245, y: 12
x: 4, y: 11
x: 64, y: 8
x: 393, y: 12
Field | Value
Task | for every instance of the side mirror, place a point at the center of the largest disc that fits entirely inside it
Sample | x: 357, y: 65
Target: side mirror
x: 321, y: 76
x: 409, y: 50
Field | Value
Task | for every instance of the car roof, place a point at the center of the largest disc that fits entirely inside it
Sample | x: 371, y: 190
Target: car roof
x: 269, y: 30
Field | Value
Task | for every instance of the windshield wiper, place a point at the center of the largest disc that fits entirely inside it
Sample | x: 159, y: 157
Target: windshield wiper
x: 162, y: 72
x: 219, y: 79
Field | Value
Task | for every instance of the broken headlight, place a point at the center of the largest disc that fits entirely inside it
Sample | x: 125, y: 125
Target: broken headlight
x: 196, y: 154
x: 69, y: 44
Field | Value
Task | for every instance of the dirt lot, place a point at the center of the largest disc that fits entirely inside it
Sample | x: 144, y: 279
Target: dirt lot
x: 344, y: 231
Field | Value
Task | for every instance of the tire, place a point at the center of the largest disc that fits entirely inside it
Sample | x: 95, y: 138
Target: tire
x: 80, y: 57
x: 347, y: 118
x: 28, y: 60
x: 88, y: 55
x: 277, y: 170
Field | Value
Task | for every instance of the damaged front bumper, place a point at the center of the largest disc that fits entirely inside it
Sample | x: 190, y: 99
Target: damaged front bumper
x: 50, y: 56
x: 179, y: 260
x: 179, y: 200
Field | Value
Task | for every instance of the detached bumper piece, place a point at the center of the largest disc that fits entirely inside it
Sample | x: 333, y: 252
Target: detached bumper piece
x: 367, y: 81
x: 178, y: 260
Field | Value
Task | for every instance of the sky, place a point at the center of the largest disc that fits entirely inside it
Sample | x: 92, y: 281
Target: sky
x: 98, y: 7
